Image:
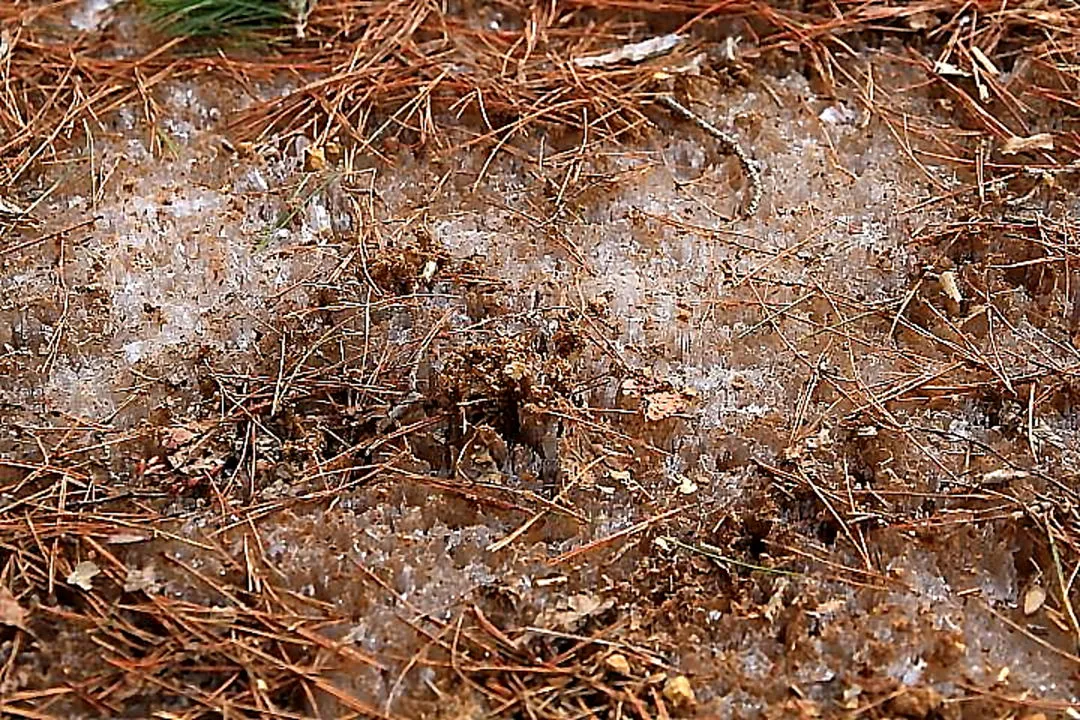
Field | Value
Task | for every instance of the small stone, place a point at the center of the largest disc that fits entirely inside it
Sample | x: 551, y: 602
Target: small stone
x: 678, y: 692
x: 915, y: 703
x: 617, y: 663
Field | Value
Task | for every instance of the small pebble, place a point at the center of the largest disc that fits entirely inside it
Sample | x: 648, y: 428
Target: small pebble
x: 678, y: 692
x: 617, y: 663
x: 915, y: 703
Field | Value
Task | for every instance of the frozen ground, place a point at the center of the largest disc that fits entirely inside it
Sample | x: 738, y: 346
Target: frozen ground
x: 621, y: 350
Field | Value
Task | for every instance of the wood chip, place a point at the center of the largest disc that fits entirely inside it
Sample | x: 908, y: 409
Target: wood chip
x: 632, y: 53
x: 949, y: 70
x: 950, y: 287
x: 687, y: 486
x: 984, y: 60
x: 1017, y: 144
x: 1003, y: 475
x: 1034, y: 599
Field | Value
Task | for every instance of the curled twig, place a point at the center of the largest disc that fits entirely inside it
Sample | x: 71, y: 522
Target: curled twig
x: 730, y: 144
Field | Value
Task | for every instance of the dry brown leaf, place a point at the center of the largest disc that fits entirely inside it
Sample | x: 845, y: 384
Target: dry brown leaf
x: 850, y: 699
x: 572, y: 612
x: 915, y: 702
x: 314, y: 159
x: 923, y: 21
x: 12, y: 613
x: 662, y: 405
x: 176, y: 437
x: 1017, y: 144
x: 141, y: 579
x: 83, y: 575
x: 687, y: 486
x: 1034, y: 599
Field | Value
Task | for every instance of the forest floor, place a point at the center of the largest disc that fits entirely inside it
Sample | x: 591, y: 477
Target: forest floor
x: 424, y: 361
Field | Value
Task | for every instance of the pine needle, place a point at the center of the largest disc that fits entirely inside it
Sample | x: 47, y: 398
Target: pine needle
x: 220, y: 18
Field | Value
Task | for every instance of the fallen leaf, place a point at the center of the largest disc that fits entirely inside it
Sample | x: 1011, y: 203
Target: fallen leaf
x: 571, y: 612
x: 1034, y: 599
x: 850, y: 699
x: 516, y: 370
x: 1017, y: 144
x: 174, y: 438
x: 922, y: 21
x: 141, y: 579
x: 687, y: 486
x: 12, y: 613
x: 83, y: 575
x: 314, y: 159
x: 662, y: 405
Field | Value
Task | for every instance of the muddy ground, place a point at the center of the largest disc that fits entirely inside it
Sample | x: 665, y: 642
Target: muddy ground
x: 425, y: 430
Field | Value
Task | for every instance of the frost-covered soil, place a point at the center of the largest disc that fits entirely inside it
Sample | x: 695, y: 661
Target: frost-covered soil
x: 226, y: 331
